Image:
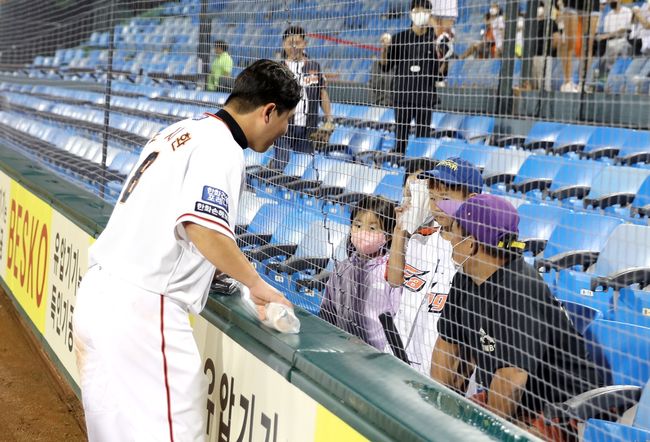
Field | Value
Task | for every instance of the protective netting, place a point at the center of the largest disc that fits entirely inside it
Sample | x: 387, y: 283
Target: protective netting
x: 542, y: 105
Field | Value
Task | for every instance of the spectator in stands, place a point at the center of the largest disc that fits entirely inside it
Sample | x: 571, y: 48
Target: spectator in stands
x: 486, y: 48
x: 421, y: 263
x: 544, y: 50
x: 640, y: 36
x: 356, y: 293
x: 577, y: 17
x: 498, y: 27
x: 444, y: 14
x: 221, y: 66
x: 305, y: 122
x: 415, y: 57
x: 502, y: 317
x: 617, y: 25
x: 381, y: 80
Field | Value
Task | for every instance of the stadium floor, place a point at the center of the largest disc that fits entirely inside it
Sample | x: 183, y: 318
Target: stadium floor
x: 34, y: 404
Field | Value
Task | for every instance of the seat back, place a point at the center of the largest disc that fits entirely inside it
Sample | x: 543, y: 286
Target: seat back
x: 504, y: 162
x: 574, y: 134
x: 581, y: 315
x: 539, y: 167
x: 615, y: 180
x: 580, y: 231
x: 642, y: 199
x: 576, y: 174
x: 627, y: 247
x: 390, y: 186
x: 474, y: 127
x: 623, y: 348
x: 538, y: 221
x: 637, y: 141
x: 543, y: 131
x: 478, y: 154
x: 642, y: 419
x: 606, y: 138
x: 632, y: 307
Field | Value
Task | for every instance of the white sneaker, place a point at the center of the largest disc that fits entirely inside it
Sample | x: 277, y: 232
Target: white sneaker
x: 569, y: 87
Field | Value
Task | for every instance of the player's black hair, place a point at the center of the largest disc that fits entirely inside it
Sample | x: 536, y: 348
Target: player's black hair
x: 264, y: 82
x: 220, y: 44
x: 293, y: 30
x: 383, y: 208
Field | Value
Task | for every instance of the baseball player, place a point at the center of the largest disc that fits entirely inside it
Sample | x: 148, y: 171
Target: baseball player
x: 140, y: 368
x: 421, y: 263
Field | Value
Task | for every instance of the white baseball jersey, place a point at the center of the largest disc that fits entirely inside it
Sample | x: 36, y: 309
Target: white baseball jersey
x: 428, y: 272
x: 191, y: 171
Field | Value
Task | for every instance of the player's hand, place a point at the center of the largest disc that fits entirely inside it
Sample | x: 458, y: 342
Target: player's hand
x: 262, y: 294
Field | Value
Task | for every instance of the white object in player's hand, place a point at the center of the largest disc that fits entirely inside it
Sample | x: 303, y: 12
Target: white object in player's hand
x: 274, y: 314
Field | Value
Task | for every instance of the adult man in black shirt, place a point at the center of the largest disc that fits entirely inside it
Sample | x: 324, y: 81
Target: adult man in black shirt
x: 501, y: 317
x: 415, y: 55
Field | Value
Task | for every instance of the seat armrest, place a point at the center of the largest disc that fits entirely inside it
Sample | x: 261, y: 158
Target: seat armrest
x: 602, y: 403
x: 640, y: 275
x: 585, y: 258
x: 271, y: 250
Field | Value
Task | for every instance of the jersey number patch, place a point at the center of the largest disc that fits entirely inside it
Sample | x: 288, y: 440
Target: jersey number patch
x: 436, y: 302
x: 137, y: 175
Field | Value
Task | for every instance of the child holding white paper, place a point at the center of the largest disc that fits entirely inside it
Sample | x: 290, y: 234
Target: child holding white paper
x: 420, y: 259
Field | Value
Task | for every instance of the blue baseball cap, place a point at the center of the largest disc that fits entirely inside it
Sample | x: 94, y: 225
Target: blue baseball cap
x: 456, y: 171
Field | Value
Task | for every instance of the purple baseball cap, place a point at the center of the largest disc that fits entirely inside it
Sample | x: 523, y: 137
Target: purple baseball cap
x: 488, y: 218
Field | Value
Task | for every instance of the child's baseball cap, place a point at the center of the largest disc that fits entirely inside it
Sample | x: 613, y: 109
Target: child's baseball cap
x: 456, y: 171
x: 490, y: 219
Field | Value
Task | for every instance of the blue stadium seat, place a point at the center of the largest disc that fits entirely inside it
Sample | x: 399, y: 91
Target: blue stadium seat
x: 597, y: 430
x: 455, y: 72
x: 390, y: 186
x: 542, y: 135
x: 574, y: 180
x: 536, y: 224
x: 632, y: 307
x: 478, y: 154
x: 502, y: 166
x: 616, y: 78
x: 476, y: 128
x: 265, y: 222
x: 605, y: 142
x: 249, y: 205
x: 537, y: 173
x: 581, y: 315
x: 635, y: 148
x: 615, y: 185
x: 624, y: 349
x: 572, y: 138
x: 449, y: 126
x: 449, y: 149
x: 365, y: 141
x: 623, y: 260
x: 641, y: 204
x: 576, y: 241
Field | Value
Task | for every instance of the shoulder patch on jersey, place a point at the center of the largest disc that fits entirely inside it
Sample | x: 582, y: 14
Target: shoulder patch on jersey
x: 201, y: 117
x: 214, y: 211
x: 215, y: 196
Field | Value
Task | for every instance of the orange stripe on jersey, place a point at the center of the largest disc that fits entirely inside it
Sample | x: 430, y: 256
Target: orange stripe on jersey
x: 208, y: 220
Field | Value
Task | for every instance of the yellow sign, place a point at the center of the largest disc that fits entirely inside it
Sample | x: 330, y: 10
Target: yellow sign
x: 28, y: 251
x: 248, y: 400
x: 5, y: 194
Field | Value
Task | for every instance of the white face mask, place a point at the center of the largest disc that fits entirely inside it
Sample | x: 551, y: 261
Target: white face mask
x: 420, y: 18
x: 493, y: 11
x: 540, y: 11
x: 459, y: 266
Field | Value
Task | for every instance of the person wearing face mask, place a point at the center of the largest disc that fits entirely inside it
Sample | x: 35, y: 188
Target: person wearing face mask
x: 618, y: 22
x: 356, y: 293
x: 498, y: 26
x: 640, y: 35
x: 420, y: 260
x: 415, y: 58
x: 502, y: 317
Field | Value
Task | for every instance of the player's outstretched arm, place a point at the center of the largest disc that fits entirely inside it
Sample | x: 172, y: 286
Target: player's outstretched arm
x: 224, y: 254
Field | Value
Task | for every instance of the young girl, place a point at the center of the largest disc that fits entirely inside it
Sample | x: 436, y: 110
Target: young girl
x: 357, y: 292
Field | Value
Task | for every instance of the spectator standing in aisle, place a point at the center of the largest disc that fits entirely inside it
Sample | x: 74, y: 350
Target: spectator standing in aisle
x: 444, y: 14
x: 356, y: 293
x: 498, y: 27
x: 415, y: 57
x: 381, y: 80
x: 304, y: 124
x: 617, y: 24
x: 486, y: 47
x: 576, y: 18
x: 221, y: 66
x: 502, y: 317
x: 544, y: 50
